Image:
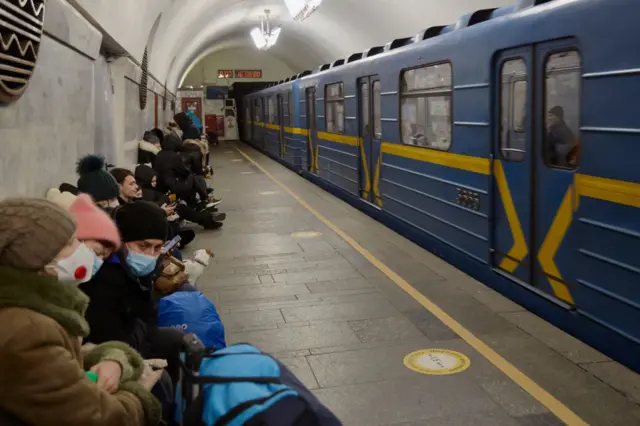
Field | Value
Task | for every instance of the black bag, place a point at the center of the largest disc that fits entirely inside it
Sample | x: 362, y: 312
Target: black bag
x: 240, y: 385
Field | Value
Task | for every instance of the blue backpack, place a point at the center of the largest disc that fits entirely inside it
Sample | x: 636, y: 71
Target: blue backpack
x: 240, y: 385
x: 192, y: 312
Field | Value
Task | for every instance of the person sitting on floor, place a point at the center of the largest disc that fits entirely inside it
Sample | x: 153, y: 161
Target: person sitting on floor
x: 148, y: 148
x: 42, y: 312
x: 147, y: 179
x: 122, y: 304
x: 95, y: 180
x: 128, y: 187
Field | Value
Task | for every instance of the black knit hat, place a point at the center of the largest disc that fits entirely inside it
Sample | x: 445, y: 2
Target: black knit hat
x: 95, y: 180
x: 141, y: 220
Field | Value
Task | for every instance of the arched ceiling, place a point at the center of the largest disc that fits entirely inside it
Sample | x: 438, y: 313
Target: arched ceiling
x: 179, y: 33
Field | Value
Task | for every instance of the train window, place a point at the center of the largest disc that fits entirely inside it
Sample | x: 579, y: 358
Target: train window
x: 285, y: 111
x: 290, y: 97
x: 513, y: 104
x: 256, y: 110
x: 334, y: 108
x: 273, y: 110
x: 364, y: 107
x: 426, y: 106
x: 377, y: 122
x: 562, y: 105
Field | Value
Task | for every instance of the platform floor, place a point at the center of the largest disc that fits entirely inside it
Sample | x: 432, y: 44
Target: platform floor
x: 344, y: 326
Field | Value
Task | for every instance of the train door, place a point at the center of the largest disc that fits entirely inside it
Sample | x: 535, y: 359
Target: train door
x: 513, y: 163
x: 536, y: 88
x: 281, y: 126
x: 370, y: 133
x: 557, y: 93
x: 311, y: 127
x: 264, y: 121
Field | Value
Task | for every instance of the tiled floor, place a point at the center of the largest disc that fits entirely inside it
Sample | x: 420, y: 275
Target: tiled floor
x: 344, y: 327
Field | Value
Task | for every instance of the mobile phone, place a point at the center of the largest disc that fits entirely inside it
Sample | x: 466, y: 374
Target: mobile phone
x: 170, y: 245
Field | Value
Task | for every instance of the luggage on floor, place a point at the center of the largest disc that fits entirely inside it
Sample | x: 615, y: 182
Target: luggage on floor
x: 192, y: 312
x: 240, y: 385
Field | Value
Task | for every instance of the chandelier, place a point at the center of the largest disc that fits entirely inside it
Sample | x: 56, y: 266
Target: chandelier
x: 264, y: 36
x: 302, y: 9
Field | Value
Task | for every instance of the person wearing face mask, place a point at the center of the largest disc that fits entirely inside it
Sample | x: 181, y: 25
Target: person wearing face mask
x: 122, y: 304
x: 95, y: 180
x: 42, y: 313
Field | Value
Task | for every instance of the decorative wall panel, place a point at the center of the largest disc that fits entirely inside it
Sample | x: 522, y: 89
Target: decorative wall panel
x: 21, y: 23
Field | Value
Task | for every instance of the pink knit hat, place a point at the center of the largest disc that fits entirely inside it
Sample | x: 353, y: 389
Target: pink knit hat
x: 93, y: 223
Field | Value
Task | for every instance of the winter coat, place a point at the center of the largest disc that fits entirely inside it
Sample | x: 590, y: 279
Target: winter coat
x: 173, y: 174
x: 144, y: 175
x: 41, y: 364
x: 193, y: 157
x: 189, y: 129
x: 122, y: 306
x: 147, y: 152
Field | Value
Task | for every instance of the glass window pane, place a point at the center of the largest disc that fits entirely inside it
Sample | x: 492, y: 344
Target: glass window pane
x: 334, y: 108
x: 364, y: 108
x: 291, y: 120
x: 377, y: 122
x: 513, y: 104
x: 426, y: 113
x: 425, y: 78
x: 562, y: 103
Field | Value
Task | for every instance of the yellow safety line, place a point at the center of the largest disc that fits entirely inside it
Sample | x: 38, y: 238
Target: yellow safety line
x: 545, y: 398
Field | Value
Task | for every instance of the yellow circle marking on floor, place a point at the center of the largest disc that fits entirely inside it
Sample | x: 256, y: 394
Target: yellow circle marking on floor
x: 437, y: 361
x: 306, y: 234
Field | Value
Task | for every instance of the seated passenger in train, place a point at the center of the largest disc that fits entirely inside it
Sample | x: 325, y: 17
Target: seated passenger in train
x: 149, y: 147
x: 122, y: 305
x: 560, y: 138
x: 128, y: 187
x: 42, y: 312
x: 95, y: 180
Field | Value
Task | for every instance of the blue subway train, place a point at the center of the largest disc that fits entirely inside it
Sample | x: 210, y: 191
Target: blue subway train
x: 507, y: 143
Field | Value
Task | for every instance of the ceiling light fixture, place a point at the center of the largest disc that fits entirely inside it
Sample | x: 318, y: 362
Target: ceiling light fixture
x: 264, y: 36
x: 302, y: 9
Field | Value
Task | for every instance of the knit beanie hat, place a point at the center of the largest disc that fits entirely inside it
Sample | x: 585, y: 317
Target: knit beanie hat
x: 32, y: 232
x: 95, y: 180
x: 93, y: 223
x: 141, y: 220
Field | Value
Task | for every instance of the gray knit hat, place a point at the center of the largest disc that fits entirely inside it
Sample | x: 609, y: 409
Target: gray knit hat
x: 32, y: 232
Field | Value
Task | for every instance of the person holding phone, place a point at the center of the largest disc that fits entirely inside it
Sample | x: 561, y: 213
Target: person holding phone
x: 122, y: 303
x: 42, y: 312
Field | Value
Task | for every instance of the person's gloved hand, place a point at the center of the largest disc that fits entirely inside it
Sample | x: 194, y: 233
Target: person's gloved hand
x: 108, y: 373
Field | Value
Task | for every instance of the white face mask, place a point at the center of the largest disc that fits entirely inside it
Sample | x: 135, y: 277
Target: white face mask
x: 77, y: 268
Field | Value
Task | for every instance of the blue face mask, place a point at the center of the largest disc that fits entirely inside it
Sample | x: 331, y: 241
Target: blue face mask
x: 97, y: 264
x: 141, y: 264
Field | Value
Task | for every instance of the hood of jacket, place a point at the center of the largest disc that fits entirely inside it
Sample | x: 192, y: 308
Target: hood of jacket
x: 148, y: 147
x: 65, y: 303
x: 172, y: 142
x: 144, y: 175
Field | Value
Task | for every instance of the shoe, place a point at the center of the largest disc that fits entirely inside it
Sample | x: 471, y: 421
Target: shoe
x: 211, y: 226
x: 219, y: 217
x: 213, y: 201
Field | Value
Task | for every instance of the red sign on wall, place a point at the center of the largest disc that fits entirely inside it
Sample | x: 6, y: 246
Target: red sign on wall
x: 225, y: 73
x: 248, y: 73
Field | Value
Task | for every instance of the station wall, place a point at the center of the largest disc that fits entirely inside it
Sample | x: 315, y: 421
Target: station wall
x: 77, y: 102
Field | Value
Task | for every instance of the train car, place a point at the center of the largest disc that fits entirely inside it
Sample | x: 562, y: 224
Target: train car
x: 505, y: 143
